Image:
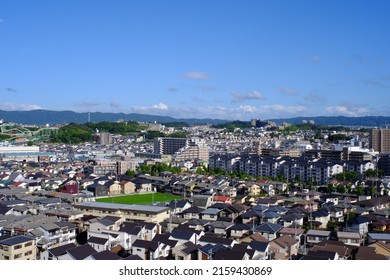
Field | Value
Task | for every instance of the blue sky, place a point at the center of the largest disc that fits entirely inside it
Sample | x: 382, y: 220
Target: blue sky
x: 220, y: 59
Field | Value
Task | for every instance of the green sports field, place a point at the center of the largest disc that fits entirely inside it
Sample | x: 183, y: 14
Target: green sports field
x: 140, y: 198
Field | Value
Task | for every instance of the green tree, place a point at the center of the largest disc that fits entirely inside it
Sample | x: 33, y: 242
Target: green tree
x: 359, y: 190
x: 130, y: 173
x: 330, y: 188
x: 341, y: 189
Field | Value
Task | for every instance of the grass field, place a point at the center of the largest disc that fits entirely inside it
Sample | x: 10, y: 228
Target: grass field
x: 140, y: 198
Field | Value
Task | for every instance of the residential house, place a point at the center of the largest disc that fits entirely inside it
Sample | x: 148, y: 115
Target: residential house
x: 208, y: 251
x: 149, y: 230
x: 381, y: 225
x: 127, y: 187
x: 98, y: 243
x: 317, y: 236
x: 202, y: 201
x: 183, y: 188
x: 104, y: 255
x: 80, y: 253
x: 294, y: 232
x: 336, y: 214
x: 290, y: 220
x: 375, y: 203
x: 183, y: 236
x: 370, y: 253
x: 179, y: 206
x: 251, y: 217
x: 192, y: 213
x: 167, y: 245
x: 210, y: 214
x: 349, y: 238
x: 204, y: 240
x: 262, y: 249
x: 106, y: 223
x: 238, y: 231
x: 220, y: 228
x: 232, y: 212
x: 359, y: 224
x: 98, y: 189
x: 284, y: 247
x: 254, y: 189
x: 374, y: 237
x: 343, y: 251
x: 228, y: 254
x: 186, y: 251
x: 268, y: 230
x: 222, y: 199
x: 57, y: 253
x: 147, y: 250
x: 321, y: 255
x: 382, y: 248
x: 319, y: 219
x: 114, y: 188
x: 58, y: 233
x: 17, y: 247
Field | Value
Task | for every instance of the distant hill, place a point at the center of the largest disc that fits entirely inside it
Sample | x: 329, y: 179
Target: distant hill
x: 369, y: 121
x: 42, y: 117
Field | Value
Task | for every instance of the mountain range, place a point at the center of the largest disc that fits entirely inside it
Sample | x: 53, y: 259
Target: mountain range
x: 42, y: 117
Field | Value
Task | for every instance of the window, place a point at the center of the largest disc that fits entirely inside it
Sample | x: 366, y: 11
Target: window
x: 28, y: 253
x: 18, y: 247
x: 28, y: 244
x: 17, y: 256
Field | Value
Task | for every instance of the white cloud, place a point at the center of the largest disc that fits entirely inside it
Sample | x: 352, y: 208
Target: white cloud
x: 18, y: 107
x: 242, y: 112
x: 287, y: 91
x: 160, y: 106
x: 248, y: 109
x: 241, y: 97
x: 347, y: 111
x: 195, y: 75
x: 283, y: 109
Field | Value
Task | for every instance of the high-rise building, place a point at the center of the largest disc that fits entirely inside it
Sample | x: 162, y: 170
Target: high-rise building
x: 196, y: 149
x: 380, y: 140
x: 169, y: 146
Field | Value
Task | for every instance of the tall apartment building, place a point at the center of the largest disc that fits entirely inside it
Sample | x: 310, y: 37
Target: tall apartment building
x: 196, y: 149
x: 380, y: 140
x: 169, y: 146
